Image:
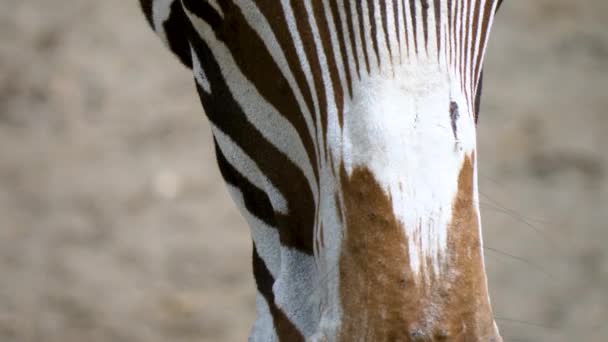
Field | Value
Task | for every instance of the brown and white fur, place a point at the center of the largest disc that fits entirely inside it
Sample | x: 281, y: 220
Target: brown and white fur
x: 346, y: 133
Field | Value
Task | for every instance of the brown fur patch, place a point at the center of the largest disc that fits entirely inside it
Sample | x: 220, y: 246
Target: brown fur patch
x: 381, y: 300
x: 374, y: 264
x: 462, y: 291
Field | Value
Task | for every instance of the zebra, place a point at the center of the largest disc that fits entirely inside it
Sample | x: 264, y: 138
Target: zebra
x: 345, y: 131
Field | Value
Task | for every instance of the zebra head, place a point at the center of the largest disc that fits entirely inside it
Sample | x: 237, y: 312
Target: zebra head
x: 345, y: 130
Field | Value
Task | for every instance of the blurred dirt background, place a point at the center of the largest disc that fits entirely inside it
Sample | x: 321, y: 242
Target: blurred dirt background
x: 115, y: 225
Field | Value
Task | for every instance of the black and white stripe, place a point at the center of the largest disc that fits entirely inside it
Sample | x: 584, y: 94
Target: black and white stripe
x: 276, y: 78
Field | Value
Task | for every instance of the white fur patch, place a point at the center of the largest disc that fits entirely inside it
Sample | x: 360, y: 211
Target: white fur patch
x: 295, y: 288
x: 400, y: 128
x: 263, y: 328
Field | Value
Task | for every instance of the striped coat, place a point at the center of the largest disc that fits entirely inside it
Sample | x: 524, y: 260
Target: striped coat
x: 345, y: 132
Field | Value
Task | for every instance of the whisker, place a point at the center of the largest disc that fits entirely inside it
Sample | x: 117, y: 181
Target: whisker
x: 528, y: 323
x: 540, y: 232
x: 485, y: 176
x: 522, y: 260
x: 498, y: 207
x: 511, y: 211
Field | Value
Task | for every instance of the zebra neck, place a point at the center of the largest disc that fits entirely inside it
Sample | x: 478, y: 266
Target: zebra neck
x: 348, y: 127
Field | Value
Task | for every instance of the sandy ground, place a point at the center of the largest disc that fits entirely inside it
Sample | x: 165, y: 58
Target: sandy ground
x: 115, y: 225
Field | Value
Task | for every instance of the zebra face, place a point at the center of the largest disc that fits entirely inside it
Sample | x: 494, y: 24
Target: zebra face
x: 345, y: 131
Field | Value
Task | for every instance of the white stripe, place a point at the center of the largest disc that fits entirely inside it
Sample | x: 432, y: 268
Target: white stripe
x: 260, y: 25
x: 371, y: 54
x: 433, y: 49
x: 452, y: 37
x: 478, y: 41
x: 294, y: 289
x: 349, y: 48
x: 468, y: 72
x: 262, y: 115
x: 248, y: 168
x: 392, y: 31
x: 401, y: 29
x: 216, y: 7
x: 199, y: 73
x: 383, y: 55
x: 422, y: 50
x: 445, y: 39
x: 461, y: 35
x: 332, y: 27
x: 305, y: 65
x: 161, y: 10
x: 488, y: 31
x: 410, y: 39
x: 358, y: 42
x: 265, y: 237
x: 263, y: 329
x: 332, y: 111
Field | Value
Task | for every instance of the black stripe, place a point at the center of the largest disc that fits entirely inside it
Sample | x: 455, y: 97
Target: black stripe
x: 223, y: 111
x: 405, y: 32
x: 414, y: 24
x: 332, y: 65
x: 203, y: 10
x: 176, y: 37
x: 277, y: 21
x: 450, y: 34
x: 498, y: 6
x: 249, y: 53
x: 468, y: 55
x: 425, y: 23
x: 308, y: 40
x: 146, y: 7
x: 477, y: 44
x: 286, y: 330
x: 461, y: 44
x: 437, y: 4
x: 478, y: 97
x: 351, y: 34
x: 362, y: 33
x: 371, y: 12
x: 256, y: 201
x: 485, y: 27
x: 396, y: 19
x: 341, y: 40
x: 174, y: 29
x: 383, y: 14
